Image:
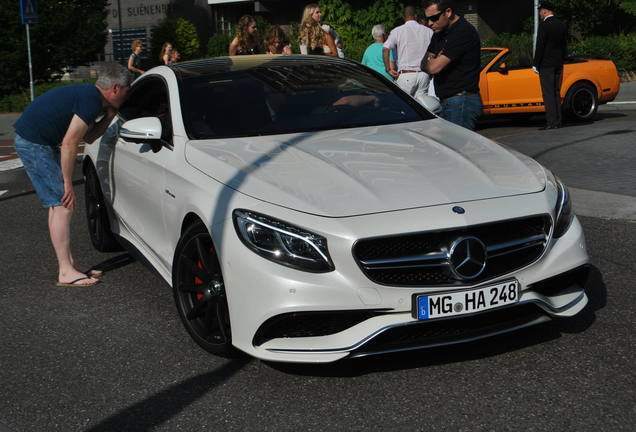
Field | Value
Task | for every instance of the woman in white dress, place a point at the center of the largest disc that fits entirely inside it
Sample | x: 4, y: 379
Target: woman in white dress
x: 312, y: 38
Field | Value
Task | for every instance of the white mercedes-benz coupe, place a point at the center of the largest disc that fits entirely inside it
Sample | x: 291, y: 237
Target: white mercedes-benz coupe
x: 305, y: 209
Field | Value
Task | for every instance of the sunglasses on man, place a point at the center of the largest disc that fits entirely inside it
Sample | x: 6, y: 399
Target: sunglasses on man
x: 434, y: 18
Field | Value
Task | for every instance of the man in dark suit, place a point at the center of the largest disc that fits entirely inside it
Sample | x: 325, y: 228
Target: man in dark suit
x: 548, y: 61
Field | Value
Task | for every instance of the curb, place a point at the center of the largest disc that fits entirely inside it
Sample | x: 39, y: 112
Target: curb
x: 627, y: 76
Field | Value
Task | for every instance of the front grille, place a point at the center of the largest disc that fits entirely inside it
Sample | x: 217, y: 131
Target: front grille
x: 423, y: 259
x: 441, y: 332
x: 308, y: 324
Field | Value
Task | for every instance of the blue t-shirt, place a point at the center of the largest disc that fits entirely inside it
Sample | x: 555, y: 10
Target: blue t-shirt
x: 47, y: 118
x: 373, y: 58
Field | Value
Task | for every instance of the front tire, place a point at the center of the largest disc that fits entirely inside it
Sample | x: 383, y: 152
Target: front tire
x: 101, y: 235
x: 581, y: 102
x: 199, y: 292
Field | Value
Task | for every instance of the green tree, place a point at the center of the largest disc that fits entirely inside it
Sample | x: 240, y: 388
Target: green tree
x: 598, y: 17
x: 353, y: 20
x: 218, y: 45
x: 69, y: 33
x: 187, y: 40
x: 181, y: 33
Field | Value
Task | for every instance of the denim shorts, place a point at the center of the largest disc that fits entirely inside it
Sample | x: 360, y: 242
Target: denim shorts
x: 42, y: 164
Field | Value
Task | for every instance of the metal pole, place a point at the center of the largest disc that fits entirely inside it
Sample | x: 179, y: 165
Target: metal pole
x: 536, y: 26
x: 30, y: 66
x: 121, y: 33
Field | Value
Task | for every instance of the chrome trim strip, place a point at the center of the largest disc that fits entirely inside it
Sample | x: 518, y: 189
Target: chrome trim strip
x: 536, y: 321
x: 397, y: 267
x: 520, y: 248
x: 533, y: 239
x: 431, y: 256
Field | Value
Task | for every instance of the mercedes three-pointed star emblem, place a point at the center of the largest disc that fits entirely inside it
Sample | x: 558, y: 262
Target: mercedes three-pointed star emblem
x: 467, y: 256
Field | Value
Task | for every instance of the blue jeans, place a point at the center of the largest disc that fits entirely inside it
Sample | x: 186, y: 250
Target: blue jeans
x: 42, y: 164
x: 462, y: 110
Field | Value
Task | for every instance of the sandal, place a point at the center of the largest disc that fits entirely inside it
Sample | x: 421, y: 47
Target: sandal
x: 75, y: 284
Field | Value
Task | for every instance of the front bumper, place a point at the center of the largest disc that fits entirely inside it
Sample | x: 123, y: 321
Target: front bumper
x: 260, y: 291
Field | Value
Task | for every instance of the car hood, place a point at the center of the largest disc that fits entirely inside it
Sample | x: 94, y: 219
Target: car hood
x: 368, y: 170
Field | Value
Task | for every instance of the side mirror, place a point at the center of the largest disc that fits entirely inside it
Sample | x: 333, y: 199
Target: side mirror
x: 502, y: 68
x: 431, y: 103
x: 143, y: 130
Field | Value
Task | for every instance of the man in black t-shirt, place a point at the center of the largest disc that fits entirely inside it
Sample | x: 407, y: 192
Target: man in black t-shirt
x: 454, y: 58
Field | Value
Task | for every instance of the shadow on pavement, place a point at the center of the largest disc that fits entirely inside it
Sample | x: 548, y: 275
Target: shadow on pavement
x: 114, y: 263
x: 161, y: 407
x: 560, y: 146
x: 597, y: 299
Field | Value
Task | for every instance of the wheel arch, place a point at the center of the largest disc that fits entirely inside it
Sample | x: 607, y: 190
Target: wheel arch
x: 571, y: 83
x: 190, y: 219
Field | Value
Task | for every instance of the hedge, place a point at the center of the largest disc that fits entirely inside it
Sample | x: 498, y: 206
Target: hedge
x: 621, y: 49
x: 17, y: 102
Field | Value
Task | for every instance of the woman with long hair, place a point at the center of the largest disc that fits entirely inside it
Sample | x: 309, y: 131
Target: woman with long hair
x: 165, y: 56
x: 276, y: 41
x: 312, y: 38
x: 245, y: 41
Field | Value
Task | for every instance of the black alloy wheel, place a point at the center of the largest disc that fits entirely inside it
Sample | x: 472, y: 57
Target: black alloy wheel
x: 199, y: 292
x: 581, y: 102
x: 97, y: 215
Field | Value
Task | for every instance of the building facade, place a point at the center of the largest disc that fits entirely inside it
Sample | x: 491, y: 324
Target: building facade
x: 133, y: 19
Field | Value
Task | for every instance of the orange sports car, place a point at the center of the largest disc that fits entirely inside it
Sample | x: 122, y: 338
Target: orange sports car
x: 508, y: 85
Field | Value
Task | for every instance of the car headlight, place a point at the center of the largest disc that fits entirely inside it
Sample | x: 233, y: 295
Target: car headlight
x: 563, y: 213
x: 282, y: 243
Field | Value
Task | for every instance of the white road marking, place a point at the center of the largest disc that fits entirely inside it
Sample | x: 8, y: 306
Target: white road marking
x: 10, y: 164
x: 621, y: 103
x: 2, y: 192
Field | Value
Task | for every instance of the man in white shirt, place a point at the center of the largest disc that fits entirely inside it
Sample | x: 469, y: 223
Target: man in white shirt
x: 411, y: 40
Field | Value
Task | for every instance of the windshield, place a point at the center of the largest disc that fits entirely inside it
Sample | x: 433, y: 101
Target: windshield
x: 487, y: 55
x: 287, y: 98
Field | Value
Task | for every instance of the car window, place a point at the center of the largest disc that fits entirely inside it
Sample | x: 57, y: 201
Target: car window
x: 291, y: 97
x: 514, y: 60
x: 149, y: 98
x: 487, y: 55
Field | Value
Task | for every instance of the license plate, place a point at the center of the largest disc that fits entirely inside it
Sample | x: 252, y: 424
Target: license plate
x: 466, y: 302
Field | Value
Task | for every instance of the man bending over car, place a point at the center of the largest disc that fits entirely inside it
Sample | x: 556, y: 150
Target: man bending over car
x: 47, y: 138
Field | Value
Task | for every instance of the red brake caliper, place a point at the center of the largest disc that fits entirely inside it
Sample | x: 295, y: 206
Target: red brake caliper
x: 198, y: 281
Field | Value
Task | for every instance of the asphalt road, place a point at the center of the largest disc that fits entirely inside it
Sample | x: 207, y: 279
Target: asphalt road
x: 116, y: 357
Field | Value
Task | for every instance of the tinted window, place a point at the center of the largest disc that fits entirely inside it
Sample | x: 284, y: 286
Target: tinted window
x: 286, y: 98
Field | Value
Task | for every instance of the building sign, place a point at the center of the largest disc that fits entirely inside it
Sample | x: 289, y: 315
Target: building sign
x: 152, y: 10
